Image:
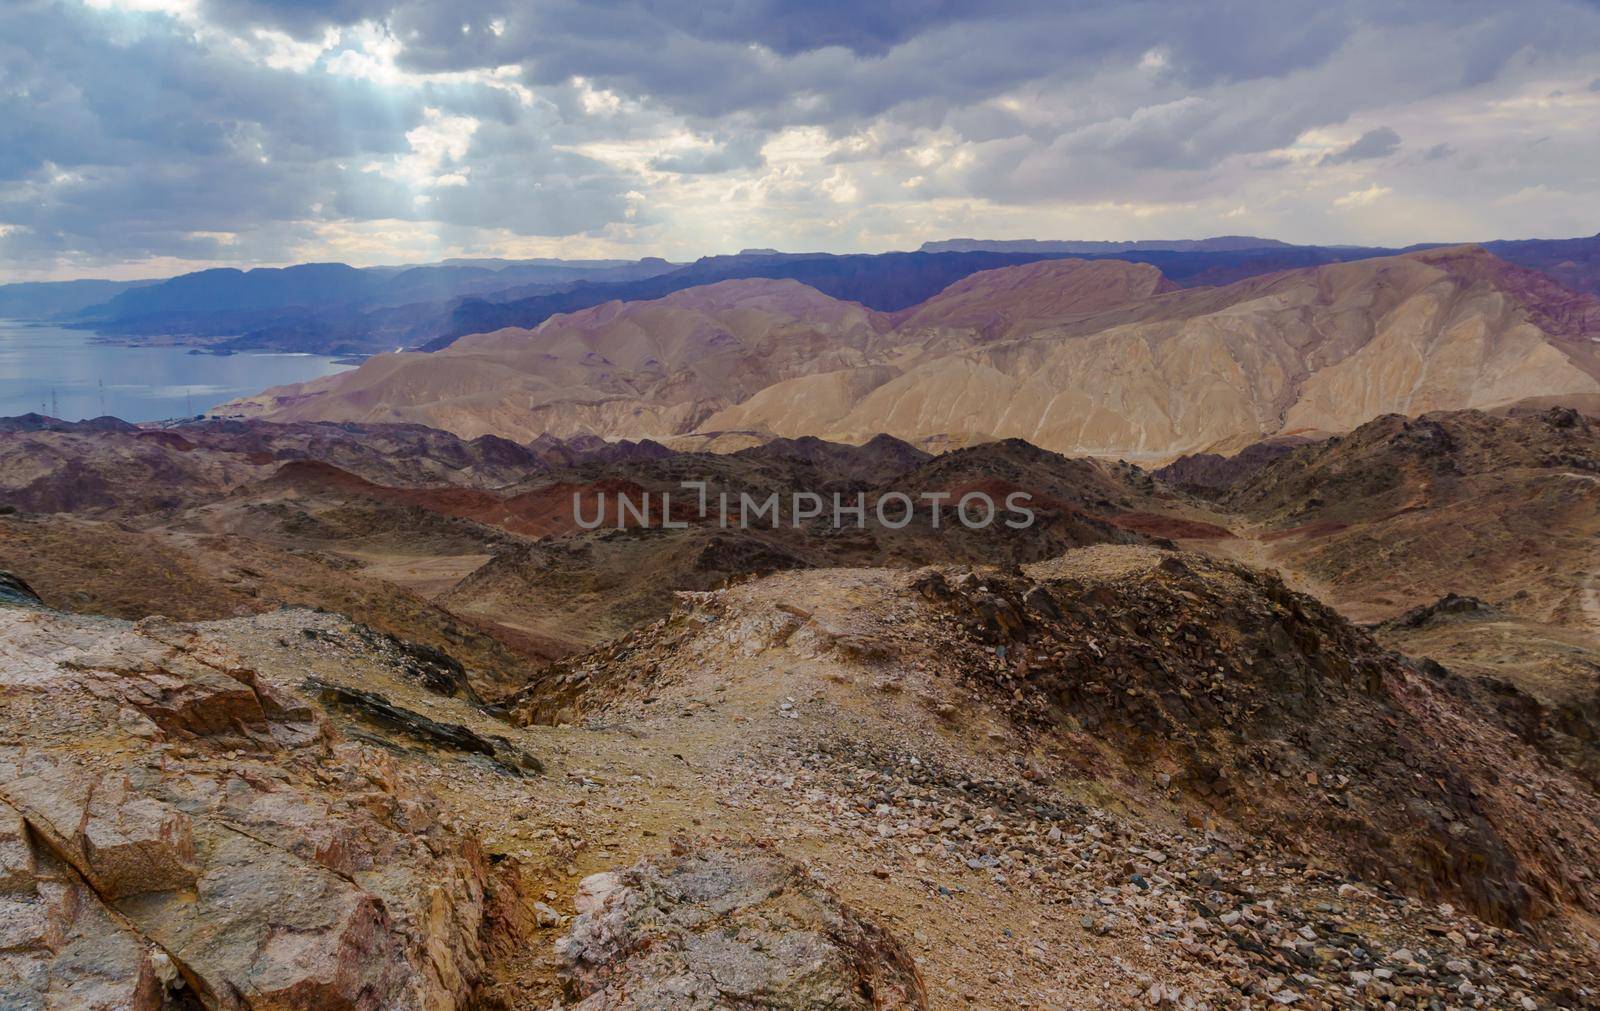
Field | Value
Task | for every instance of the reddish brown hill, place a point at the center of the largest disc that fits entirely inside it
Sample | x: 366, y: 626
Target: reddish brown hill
x: 542, y: 512
x: 1558, y: 310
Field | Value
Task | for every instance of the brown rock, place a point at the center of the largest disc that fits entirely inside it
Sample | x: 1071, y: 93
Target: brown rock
x: 16, y: 856
x: 724, y: 925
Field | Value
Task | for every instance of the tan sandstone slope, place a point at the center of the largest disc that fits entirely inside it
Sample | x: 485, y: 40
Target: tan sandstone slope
x: 1075, y: 356
x: 653, y: 368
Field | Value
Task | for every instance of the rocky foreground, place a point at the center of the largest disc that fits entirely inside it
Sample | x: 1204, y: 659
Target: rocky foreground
x: 176, y: 833
x: 1125, y: 777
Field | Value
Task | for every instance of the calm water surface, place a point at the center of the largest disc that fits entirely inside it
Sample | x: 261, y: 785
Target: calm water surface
x: 132, y: 383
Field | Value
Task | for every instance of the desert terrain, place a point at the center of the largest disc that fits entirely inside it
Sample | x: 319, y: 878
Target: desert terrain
x: 1315, y: 724
x: 780, y: 505
x: 658, y: 656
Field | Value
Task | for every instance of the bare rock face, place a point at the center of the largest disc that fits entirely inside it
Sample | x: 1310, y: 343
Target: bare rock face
x: 60, y: 947
x: 174, y: 834
x: 722, y: 926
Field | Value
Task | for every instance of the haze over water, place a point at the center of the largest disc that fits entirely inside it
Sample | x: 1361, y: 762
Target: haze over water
x: 139, y: 383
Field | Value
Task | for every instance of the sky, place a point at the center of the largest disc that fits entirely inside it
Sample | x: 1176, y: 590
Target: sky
x: 144, y: 138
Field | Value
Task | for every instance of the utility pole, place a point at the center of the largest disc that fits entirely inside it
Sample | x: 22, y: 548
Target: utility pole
x: 55, y: 410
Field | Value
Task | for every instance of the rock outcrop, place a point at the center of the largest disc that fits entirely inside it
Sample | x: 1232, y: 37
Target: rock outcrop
x: 173, y: 833
x: 720, y: 926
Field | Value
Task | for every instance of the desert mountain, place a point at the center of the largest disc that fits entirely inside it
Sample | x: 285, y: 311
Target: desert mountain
x: 332, y: 308
x: 1468, y: 538
x: 645, y: 368
x: 1220, y: 243
x: 1384, y: 515
x: 1574, y: 262
x: 992, y: 305
x: 1077, y: 356
x: 1323, y: 349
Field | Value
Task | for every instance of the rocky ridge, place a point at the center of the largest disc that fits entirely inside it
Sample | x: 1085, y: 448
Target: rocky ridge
x: 1124, y: 734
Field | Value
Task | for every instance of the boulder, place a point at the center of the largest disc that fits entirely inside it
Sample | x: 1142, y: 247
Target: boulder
x: 14, y: 591
x: 728, y: 926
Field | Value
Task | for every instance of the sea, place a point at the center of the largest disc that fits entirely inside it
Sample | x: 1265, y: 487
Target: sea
x: 70, y: 374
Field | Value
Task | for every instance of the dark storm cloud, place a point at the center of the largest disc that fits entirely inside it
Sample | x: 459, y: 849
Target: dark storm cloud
x: 848, y: 63
x: 1378, y: 143
x: 832, y: 59
x: 784, y: 26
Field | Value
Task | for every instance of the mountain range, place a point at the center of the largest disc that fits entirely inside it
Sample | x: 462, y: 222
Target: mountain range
x: 337, y: 309
x: 1096, y: 356
x: 1221, y: 243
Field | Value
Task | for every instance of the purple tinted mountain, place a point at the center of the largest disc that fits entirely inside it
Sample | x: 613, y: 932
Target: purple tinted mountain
x: 332, y: 307
x: 1573, y: 262
x: 48, y: 299
x: 1221, y: 243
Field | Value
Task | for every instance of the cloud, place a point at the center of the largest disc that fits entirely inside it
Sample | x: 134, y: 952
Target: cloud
x: 131, y: 134
x: 1377, y: 143
x: 743, y: 152
x: 142, y: 130
x: 439, y: 146
x: 1361, y: 198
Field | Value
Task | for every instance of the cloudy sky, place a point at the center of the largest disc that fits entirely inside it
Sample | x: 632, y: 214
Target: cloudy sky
x: 147, y: 137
